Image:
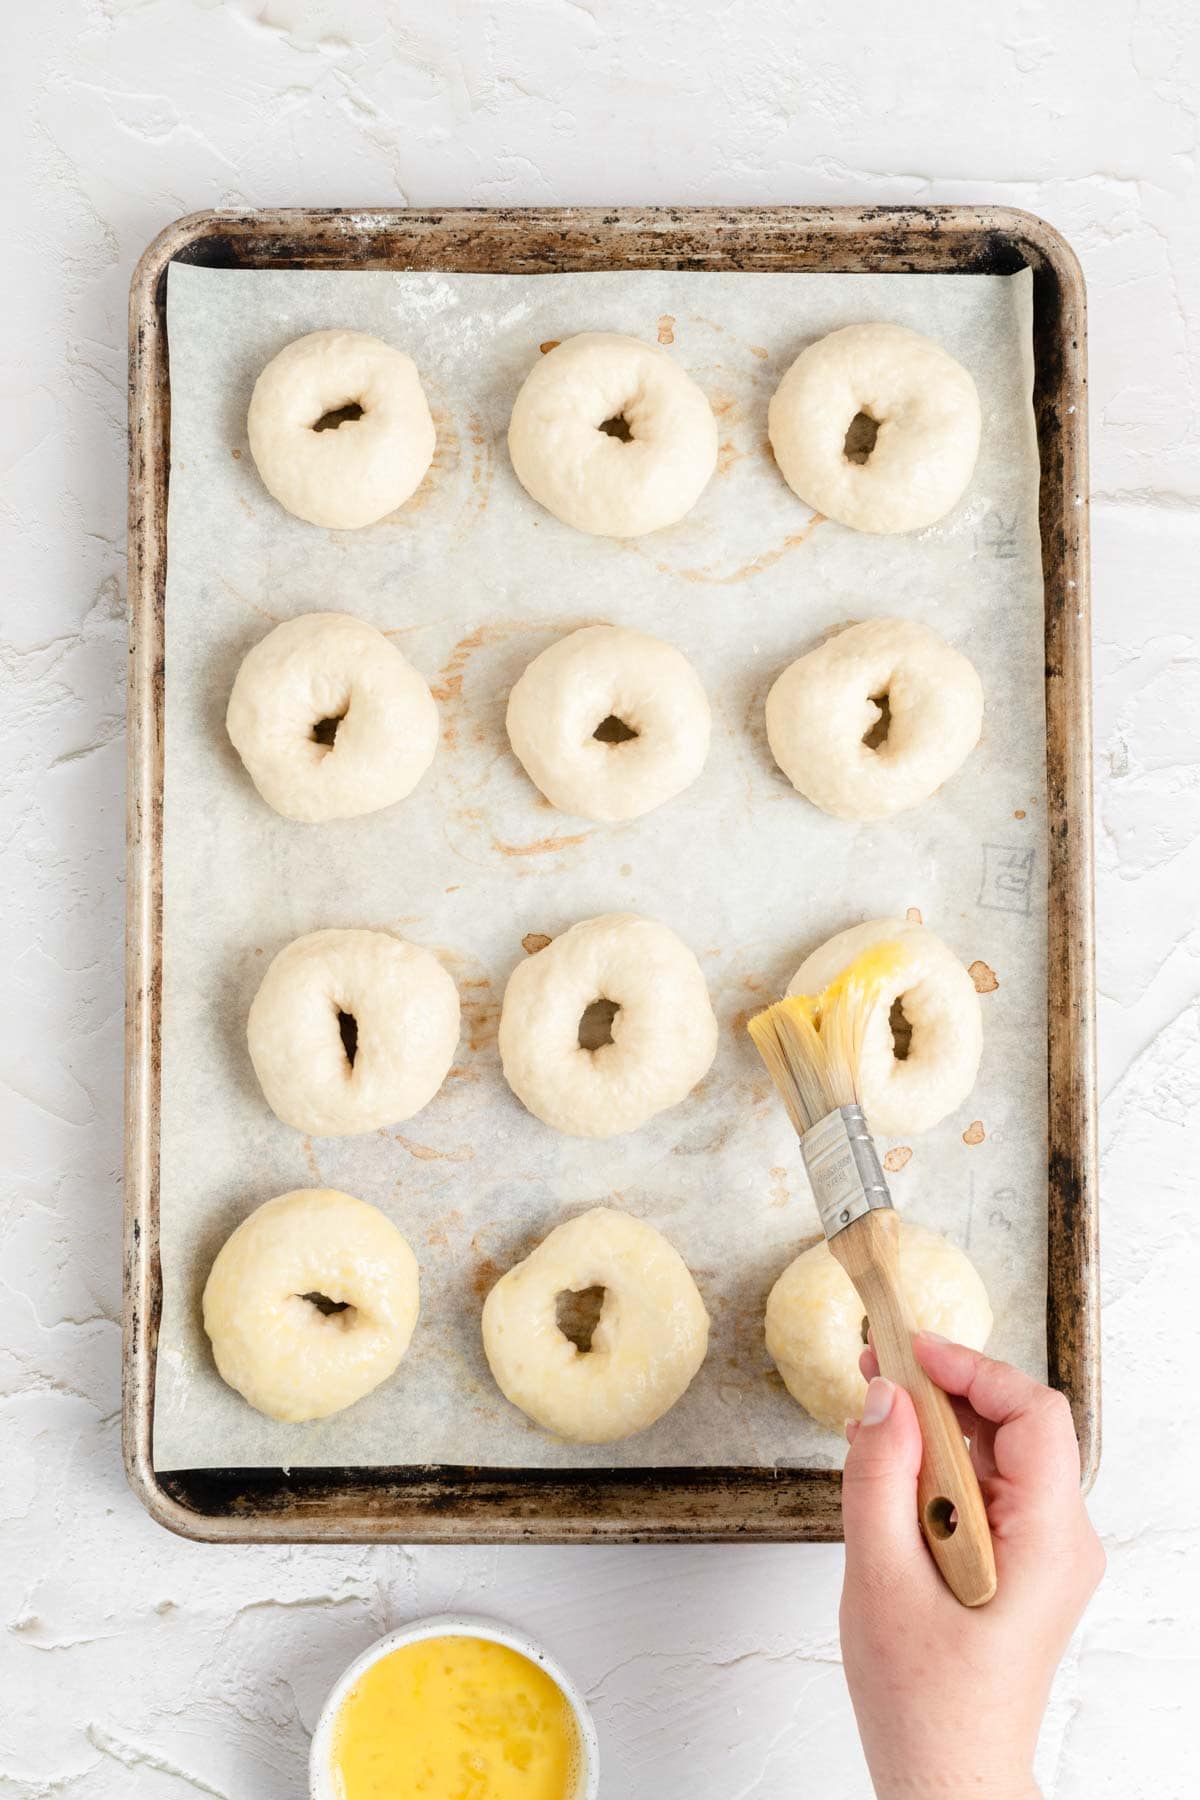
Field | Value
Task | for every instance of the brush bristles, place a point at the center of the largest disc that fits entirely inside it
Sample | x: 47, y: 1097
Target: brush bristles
x: 815, y: 1069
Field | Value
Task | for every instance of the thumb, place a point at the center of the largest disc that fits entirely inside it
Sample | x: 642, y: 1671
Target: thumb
x: 879, y: 1488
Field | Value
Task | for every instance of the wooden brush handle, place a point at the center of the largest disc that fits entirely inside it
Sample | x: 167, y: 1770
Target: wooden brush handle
x: 868, y: 1251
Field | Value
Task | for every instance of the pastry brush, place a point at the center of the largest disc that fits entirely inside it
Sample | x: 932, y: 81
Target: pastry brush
x: 812, y: 1048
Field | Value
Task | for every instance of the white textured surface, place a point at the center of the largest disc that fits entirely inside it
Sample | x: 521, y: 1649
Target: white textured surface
x: 135, y: 1663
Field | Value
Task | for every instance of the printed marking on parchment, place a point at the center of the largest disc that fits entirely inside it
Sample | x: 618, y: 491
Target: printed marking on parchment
x: 1006, y: 882
x: 666, y: 329
x: 913, y: 915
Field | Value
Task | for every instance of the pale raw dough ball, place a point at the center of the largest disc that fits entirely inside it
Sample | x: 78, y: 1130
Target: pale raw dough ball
x: 352, y: 1030
x: 815, y: 1318
x: 939, y: 1001
x: 288, y: 1357
x: 330, y: 719
x: 664, y: 1034
x: 823, y: 706
x: 575, y: 687
x: 352, y: 474
x: 925, y: 406
x: 647, y: 1344
x: 606, y: 484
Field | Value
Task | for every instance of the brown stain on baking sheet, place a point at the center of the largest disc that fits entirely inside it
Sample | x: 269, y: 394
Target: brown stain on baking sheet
x: 483, y: 460
x: 549, y: 345
x: 533, y: 941
x: 447, y: 454
x: 985, y: 979
x: 260, y: 611
x: 759, y: 350
x: 426, y: 1152
x: 310, y: 1157
x: 1020, y: 813
x: 666, y: 329
x: 913, y: 915
x: 897, y: 1159
x: 546, y: 846
x: 766, y: 560
x: 779, y: 1193
x: 727, y: 455
x: 974, y: 1134
x: 438, y: 1234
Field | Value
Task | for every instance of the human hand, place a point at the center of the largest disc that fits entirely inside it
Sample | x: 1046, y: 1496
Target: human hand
x: 949, y: 1699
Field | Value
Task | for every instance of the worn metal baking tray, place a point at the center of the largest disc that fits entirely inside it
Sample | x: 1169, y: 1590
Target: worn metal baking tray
x: 445, y: 1504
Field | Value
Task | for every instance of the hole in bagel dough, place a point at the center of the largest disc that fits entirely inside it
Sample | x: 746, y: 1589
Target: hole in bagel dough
x: 866, y: 1329
x: 614, y: 731
x: 595, y: 1026
x: 324, y: 732
x: 617, y: 427
x: 339, y: 415
x: 941, y: 1517
x: 348, y: 1026
x: 878, y: 733
x: 901, y: 1029
x: 577, y: 1311
x: 340, y: 1311
x: 860, y: 438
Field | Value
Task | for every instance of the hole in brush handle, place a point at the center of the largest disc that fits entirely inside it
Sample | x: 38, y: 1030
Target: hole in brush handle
x: 941, y: 1517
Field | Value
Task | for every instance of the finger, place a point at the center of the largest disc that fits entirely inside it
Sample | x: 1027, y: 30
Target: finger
x: 879, y: 1493
x: 980, y: 1433
x: 1034, y: 1441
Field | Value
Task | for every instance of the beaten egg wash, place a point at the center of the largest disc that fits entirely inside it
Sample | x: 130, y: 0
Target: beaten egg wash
x: 455, y: 1718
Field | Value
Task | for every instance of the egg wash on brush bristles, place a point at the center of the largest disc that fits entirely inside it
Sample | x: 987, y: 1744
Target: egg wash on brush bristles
x: 812, y: 1045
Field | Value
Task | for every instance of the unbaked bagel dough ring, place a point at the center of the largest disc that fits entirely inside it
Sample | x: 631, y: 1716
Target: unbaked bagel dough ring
x: 285, y: 1355
x: 823, y: 707
x: 591, y: 479
x: 378, y: 720
x: 939, y: 1001
x: 664, y: 1035
x: 814, y: 1320
x: 647, y: 1344
x: 608, y: 672
x: 361, y: 470
x: 924, y: 404
x: 314, y: 1073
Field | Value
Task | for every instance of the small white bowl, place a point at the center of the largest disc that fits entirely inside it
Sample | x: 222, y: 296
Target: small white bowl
x: 320, y: 1761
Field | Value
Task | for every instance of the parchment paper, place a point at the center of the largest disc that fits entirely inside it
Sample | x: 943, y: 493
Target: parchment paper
x: 472, y: 579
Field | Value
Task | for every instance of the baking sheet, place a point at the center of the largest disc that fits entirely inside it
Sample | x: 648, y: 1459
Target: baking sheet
x: 472, y: 580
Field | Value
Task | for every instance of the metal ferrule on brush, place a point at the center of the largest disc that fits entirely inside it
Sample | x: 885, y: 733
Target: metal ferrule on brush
x: 844, y: 1168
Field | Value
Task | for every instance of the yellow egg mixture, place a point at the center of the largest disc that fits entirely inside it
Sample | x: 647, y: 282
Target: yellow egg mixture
x: 455, y: 1718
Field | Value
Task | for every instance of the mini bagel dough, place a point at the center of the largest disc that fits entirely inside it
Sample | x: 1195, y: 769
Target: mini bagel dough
x: 406, y: 1015
x: 317, y: 669
x: 649, y: 1341
x: 924, y: 403
x: 602, y: 672
x: 941, y: 1006
x: 591, y: 479
x: 350, y: 475
x: 825, y: 704
x: 814, y: 1321
x: 664, y: 1034
x: 285, y: 1355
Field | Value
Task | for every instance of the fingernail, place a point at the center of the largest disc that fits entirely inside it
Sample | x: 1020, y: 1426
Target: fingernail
x: 933, y: 1337
x: 878, y: 1403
